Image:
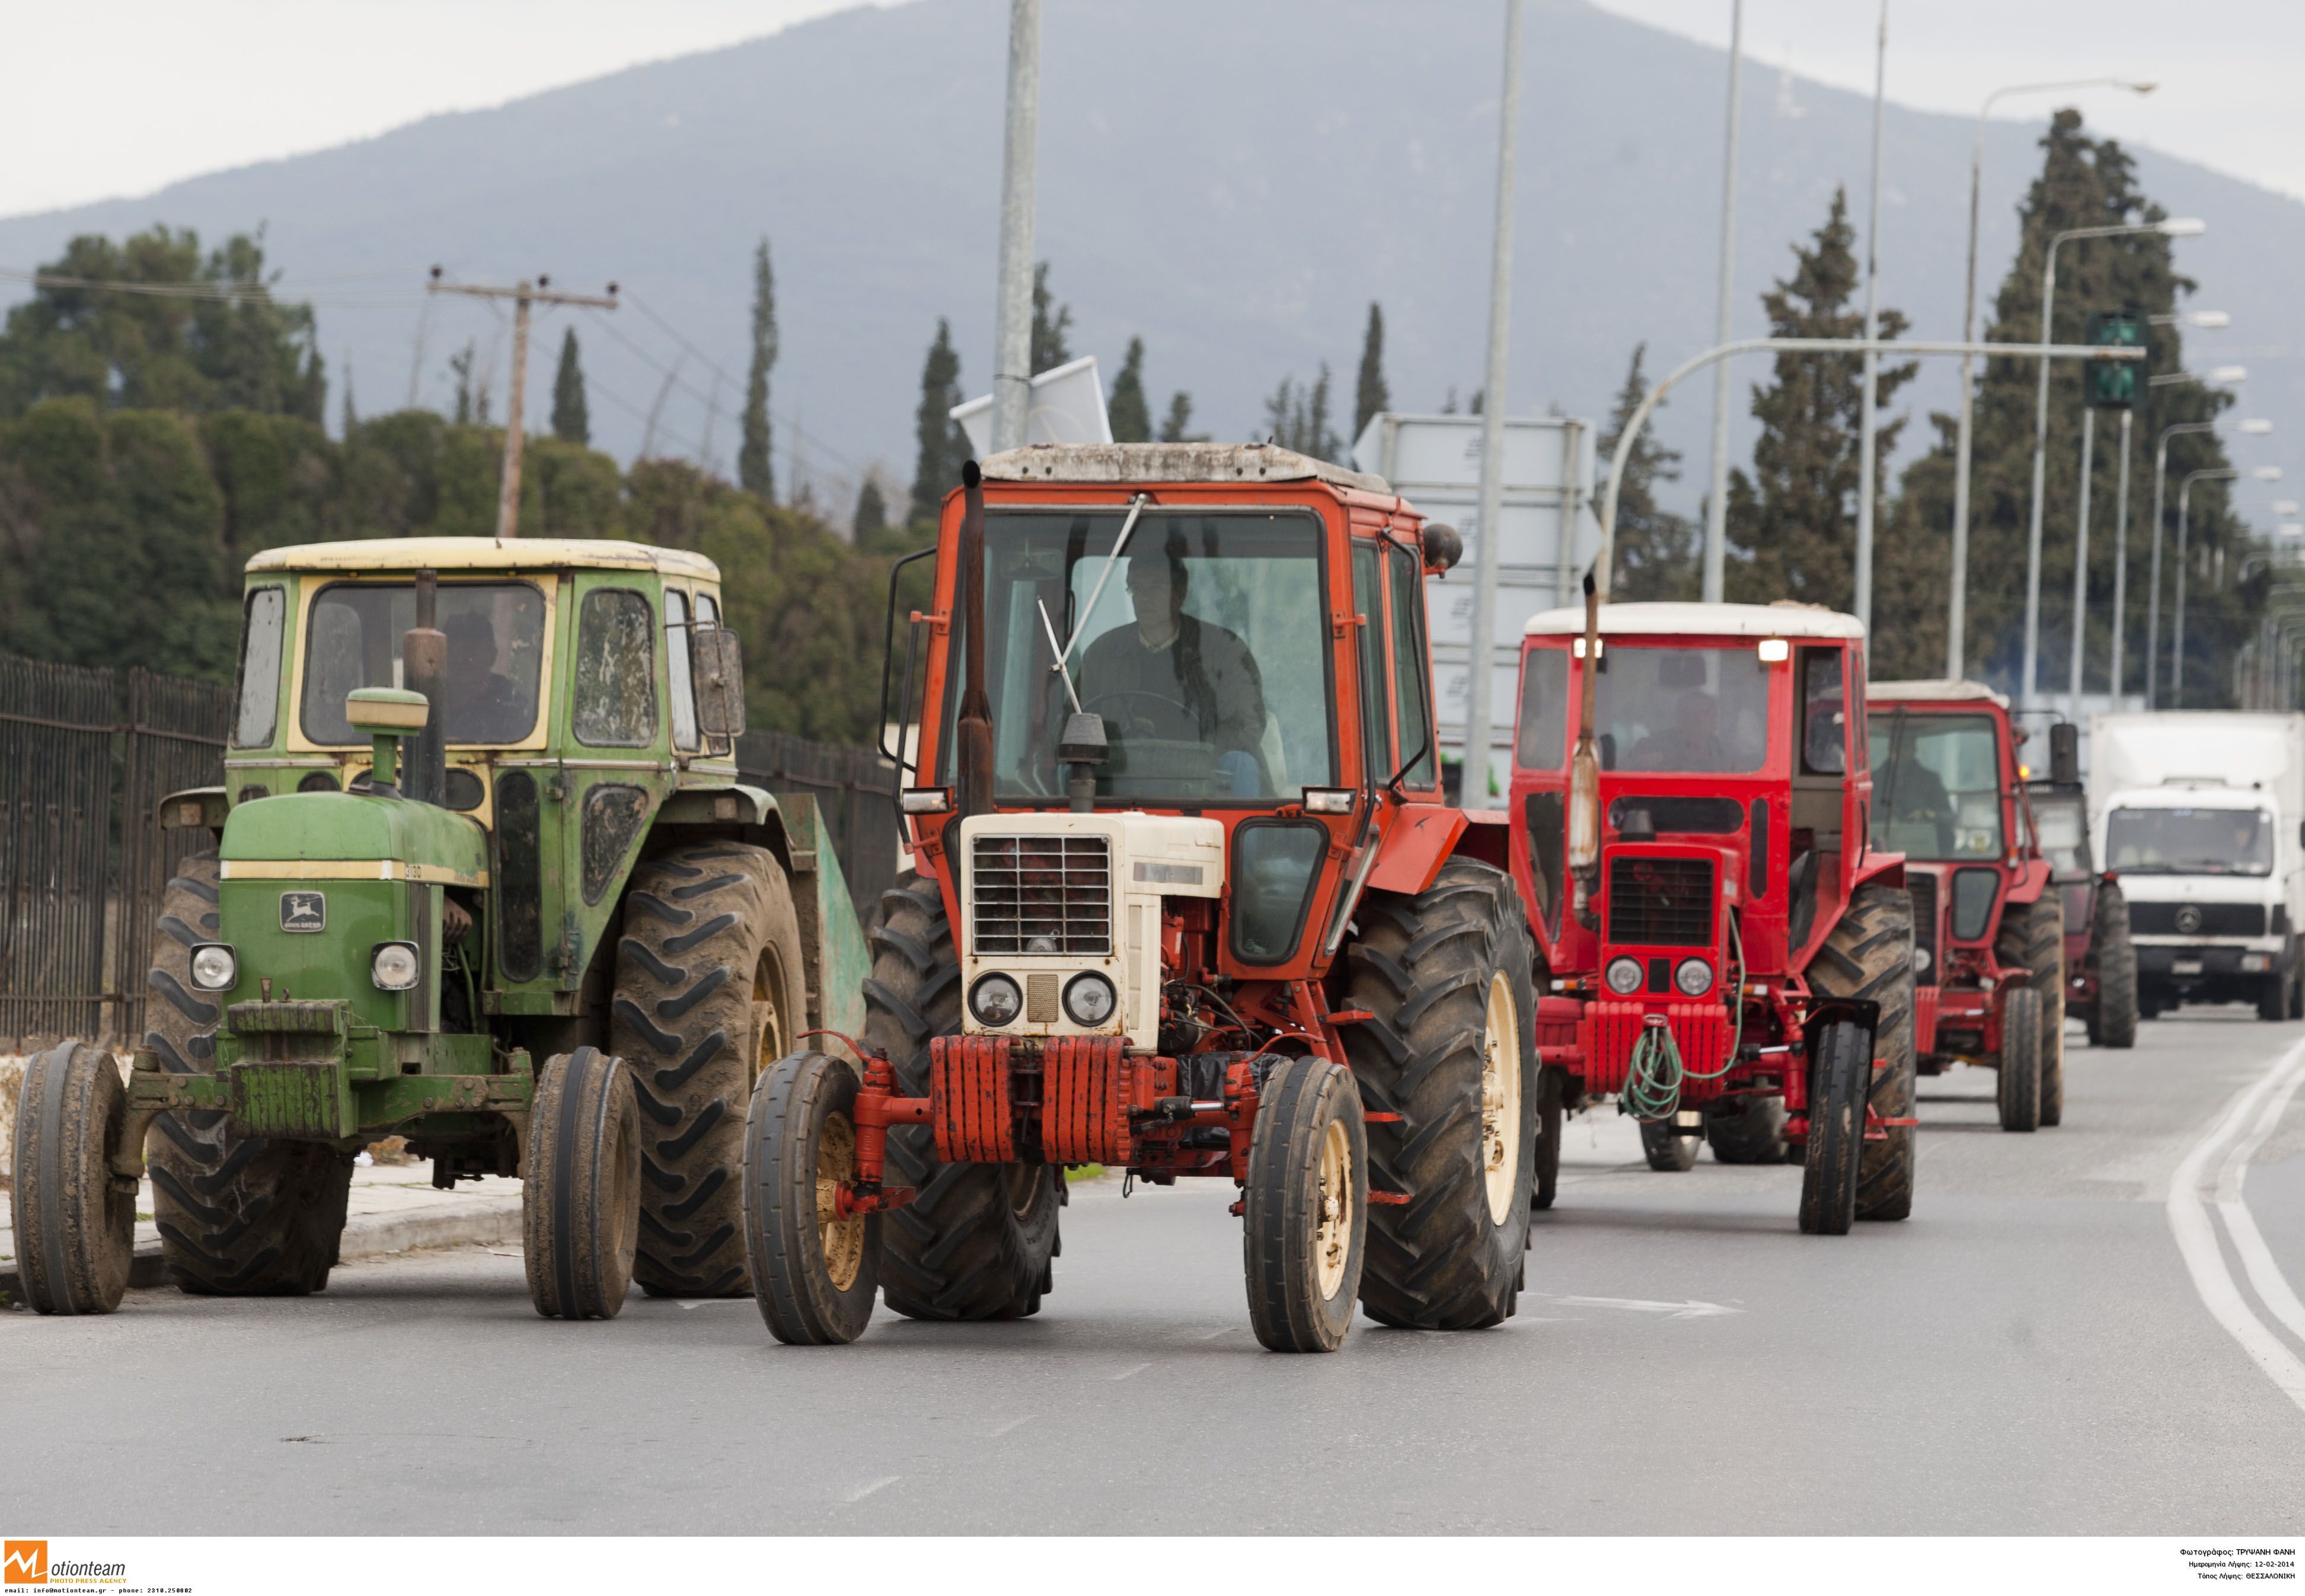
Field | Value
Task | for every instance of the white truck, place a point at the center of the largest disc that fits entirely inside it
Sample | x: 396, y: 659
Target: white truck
x: 2202, y: 816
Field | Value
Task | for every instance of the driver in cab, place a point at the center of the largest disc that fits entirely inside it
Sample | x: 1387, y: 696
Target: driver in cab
x: 1176, y: 676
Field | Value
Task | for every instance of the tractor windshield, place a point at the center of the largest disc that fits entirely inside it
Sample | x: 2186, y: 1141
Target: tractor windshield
x: 1936, y: 784
x: 1204, y: 653
x: 2190, y: 842
x: 1688, y: 711
x: 495, y: 635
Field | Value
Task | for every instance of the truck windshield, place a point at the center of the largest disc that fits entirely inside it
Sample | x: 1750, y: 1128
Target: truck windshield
x: 1205, y: 653
x: 1681, y: 710
x: 1936, y: 784
x: 2190, y: 842
x: 495, y: 635
x: 2062, y: 831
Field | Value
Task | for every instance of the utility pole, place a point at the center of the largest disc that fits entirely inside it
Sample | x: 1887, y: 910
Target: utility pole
x: 522, y: 295
x: 1868, y: 466
x: 1012, y: 311
x: 1716, y: 503
x: 1482, y: 646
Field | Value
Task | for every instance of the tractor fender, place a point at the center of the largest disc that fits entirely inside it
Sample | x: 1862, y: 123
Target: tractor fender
x: 1888, y: 868
x: 2029, y: 882
x: 1415, y: 845
x: 194, y: 809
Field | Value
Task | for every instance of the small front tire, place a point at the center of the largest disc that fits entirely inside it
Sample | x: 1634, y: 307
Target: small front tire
x: 1840, y: 1068
x: 75, y: 1220
x: 1306, y: 1210
x: 579, y: 1195
x: 1669, y: 1149
x: 814, y: 1273
x: 2018, y: 1094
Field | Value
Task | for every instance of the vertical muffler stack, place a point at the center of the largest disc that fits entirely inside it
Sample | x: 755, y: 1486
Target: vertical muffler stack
x: 424, y: 669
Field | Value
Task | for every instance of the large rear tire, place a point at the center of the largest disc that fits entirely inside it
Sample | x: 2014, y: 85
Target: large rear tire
x: 579, y: 1195
x: 1450, y: 1048
x: 1305, y: 1213
x: 239, y: 1215
x: 2115, y: 957
x: 2018, y: 1093
x: 1869, y: 955
x: 2033, y: 938
x: 75, y: 1220
x: 710, y: 991
x: 1839, y: 1061
x: 977, y: 1241
x: 815, y: 1273
x: 1752, y: 1134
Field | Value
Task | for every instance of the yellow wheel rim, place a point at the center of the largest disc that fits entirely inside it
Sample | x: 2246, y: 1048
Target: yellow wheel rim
x: 770, y: 1041
x: 843, y: 1240
x: 1332, y: 1239
x: 1501, y: 1064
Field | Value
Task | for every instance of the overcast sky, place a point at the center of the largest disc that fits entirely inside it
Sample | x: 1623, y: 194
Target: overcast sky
x: 101, y: 102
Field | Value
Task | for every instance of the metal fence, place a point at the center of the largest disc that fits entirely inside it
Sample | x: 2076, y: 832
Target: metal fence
x: 56, y: 726
x: 855, y: 790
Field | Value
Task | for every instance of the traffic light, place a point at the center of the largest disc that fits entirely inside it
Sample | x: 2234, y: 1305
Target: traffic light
x: 2112, y: 384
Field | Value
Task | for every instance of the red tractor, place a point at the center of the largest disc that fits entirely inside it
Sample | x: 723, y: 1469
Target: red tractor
x: 1721, y: 948
x: 1949, y: 795
x: 1190, y: 904
x: 2100, y: 958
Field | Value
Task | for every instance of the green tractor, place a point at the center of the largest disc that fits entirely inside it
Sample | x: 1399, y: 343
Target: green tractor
x: 486, y: 880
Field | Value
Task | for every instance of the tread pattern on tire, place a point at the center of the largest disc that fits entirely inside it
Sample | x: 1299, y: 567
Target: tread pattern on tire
x: 1422, y: 966
x: 2115, y: 954
x: 1280, y: 1208
x: 2033, y: 938
x: 1753, y: 1135
x: 2017, y: 1094
x: 75, y: 1235
x: 1869, y: 955
x: 1832, y: 1176
x: 238, y: 1215
x: 960, y: 1250
x: 697, y: 923
x: 797, y: 1298
x: 576, y: 1238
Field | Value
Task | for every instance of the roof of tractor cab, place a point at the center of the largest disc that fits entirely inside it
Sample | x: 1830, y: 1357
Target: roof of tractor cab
x: 1940, y: 691
x: 1699, y: 620
x: 1171, y: 462
x: 485, y: 554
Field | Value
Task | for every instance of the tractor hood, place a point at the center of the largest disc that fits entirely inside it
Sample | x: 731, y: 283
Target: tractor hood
x: 395, y: 839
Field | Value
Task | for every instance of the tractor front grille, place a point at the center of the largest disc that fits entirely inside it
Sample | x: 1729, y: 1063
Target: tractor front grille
x: 1660, y: 903
x: 1041, y: 894
x: 1922, y: 887
x: 2196, y: 920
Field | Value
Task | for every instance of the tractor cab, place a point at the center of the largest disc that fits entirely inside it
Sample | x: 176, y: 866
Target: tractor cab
x: 1690, y: 803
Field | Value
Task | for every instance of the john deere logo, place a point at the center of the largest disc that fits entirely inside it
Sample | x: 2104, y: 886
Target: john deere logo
x: 2188, y: 919
x: 303, y: 911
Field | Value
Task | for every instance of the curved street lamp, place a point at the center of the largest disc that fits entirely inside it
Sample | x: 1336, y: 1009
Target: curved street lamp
x: 2255, y: 426
x: 2263, y: 474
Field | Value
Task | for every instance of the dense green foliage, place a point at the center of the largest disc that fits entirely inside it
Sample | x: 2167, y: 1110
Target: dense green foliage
x: 1297, y: 417
x: 571, y: 418
x: 1126, y: 411
x: 1052, y: 325
x: 756, y: 454
x: 943, y: 447
x: 1371, y: 394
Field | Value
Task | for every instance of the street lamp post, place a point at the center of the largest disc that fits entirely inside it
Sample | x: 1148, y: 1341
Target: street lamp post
x: 2263, y: 474
x: 2254, y: 427
x: 1716, y: 503
x: 1868, y: 446
x: 2173, y: 227
x: 1957, y: 616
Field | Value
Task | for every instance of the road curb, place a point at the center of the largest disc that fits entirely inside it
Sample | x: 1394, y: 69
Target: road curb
x: 475, y: 1221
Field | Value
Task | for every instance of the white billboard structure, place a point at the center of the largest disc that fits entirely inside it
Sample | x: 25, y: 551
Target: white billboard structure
x: 1067, y: 407
x: 1550, y: 534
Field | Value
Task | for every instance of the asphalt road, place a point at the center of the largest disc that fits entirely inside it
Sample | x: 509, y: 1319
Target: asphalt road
x: 2029, y: 1354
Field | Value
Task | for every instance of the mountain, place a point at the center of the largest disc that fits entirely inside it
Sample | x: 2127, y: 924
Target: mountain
x: 1233, y: 182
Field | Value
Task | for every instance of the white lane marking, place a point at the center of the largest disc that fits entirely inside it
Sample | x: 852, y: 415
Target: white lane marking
x: 1012, y: 1424
x: 2197, y: 1238
x: 711, y: 1302
x: 2272, y: 1286
x: 1132, y: 1370
x: 862, y: 1491
x: 1227, y: 1330
x: 1691, y: 1308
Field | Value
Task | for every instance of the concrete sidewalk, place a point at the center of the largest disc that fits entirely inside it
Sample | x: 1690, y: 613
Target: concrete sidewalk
x: 393, y: 1207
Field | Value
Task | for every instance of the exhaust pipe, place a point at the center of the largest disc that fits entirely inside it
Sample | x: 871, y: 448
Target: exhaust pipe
x: 974, y: 730
x: 1584, y: 768
x: 424, y: 669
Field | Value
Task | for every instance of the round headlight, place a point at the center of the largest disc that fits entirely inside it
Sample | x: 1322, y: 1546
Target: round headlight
x: 995, y: 999
x: 1694, y: 977
x: 1624, y: 976
x: 1090, y: 999
x: 394, y: 968
x: 214, y: 967
x: 1921, y: 961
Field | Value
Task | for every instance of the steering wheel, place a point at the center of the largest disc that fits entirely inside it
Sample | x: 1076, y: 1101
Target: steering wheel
x: 1185, y: 725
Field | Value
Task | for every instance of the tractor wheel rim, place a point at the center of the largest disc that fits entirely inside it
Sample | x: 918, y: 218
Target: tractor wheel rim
x: 770, y: 1042
x: 842, y: 1240
x: 1332, y: 1234
x: 1500, y: 1099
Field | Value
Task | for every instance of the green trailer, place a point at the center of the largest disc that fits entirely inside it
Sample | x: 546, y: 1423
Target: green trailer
x: 483, y: 878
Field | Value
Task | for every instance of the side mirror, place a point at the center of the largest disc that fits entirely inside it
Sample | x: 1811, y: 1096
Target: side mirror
x: 719, y: 683
x: 1443, y: 547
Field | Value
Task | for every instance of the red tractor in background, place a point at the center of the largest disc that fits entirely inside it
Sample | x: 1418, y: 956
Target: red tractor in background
x: 1721, y: 946
x: 2100, y: 959
x: 1949, y: 795
x: 1190, y: 904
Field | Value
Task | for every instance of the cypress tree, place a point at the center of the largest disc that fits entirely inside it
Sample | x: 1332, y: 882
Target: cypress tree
x: 1372, y: 395
x: 1656, y: 551
x: 571, y: 422
x: 755, y: 457
x: 1130, y: 417
x: 1050, y: 323
x: 871, y: 522
x: 943, y: 445
x: 1176, y: 426
x: 1793, y: 523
